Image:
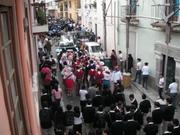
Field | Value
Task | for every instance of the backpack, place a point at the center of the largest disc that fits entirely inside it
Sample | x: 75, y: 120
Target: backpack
x: 69, y: 118
x: 45, y: 118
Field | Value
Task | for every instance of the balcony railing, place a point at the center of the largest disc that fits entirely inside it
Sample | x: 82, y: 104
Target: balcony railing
x: 131, y: 11
x: 160, y: 12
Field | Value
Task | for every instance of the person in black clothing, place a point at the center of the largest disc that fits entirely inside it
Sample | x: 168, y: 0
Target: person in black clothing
x: 111, y: 116
x: 157, y: 116
x: 145, y: 107
x: 176, y: 128
x: 97, y: 100
x: 130, y: 63
x: 128, y: 113
x: 117, y: 127
x: 46, y: 100
x: 168, y: 113
x: 69, y: 118
x: 100, y: 119
x: 169, y: 130
x: 131, y: 126
x: 54, y: 82
x: 45, y: 116
x: 89, y: 116
x: 108, y: 98
x: 150, y: 128
x: 133, y: 100
x: 138, y: 115
x: 119, y: 93
x: 59, y: 120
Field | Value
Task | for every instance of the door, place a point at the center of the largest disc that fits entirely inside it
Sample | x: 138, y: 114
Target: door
x: 171, y: 68
x: 9, y: 72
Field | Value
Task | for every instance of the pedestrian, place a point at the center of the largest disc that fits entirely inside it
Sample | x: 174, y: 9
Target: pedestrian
x: 59, y: 125
x: 145, y: 74
x: 161, y: 86
x: 117, y: 127
x: 138, y: 71
x: 121, y: 62
x: 56, y: 95
x: 113, y: 58
x: 119, y: 93
x: 145, y: 107
x: 176, y: 128
x: 138, y: 115
x: 150, y: 128
x: 100, y: 119
x: 92, y: 91
x: 130, y: 63
x: 168, y: 113
x: 106, y: 79
x: 111, y: 116
x: 97, y: 100
x: 173, y: 91
x: 89, y: 117
x: 157, y: 116
x: 83, y: 92
x: 79, y: 73
x: 131, y: 126
x: 133, y: 100
x: 77, y: 120
x: 45, y: 116
x: 69, y: 118
x: 98, y: 78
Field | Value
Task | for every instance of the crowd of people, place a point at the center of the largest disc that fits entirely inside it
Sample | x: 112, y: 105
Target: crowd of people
x: 102, y: 108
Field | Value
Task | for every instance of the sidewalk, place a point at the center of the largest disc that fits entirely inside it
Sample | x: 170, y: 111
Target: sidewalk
x: 152, y: 94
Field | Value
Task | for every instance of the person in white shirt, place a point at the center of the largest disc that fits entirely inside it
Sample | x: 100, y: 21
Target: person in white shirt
x: 138, y: 70
x: 121, y: 61
x: 161, y: 85
x: 83, y: 93
x: 116, y: 75
x: 78, y: 119
x: 145, y: 74
x: 173, y: 91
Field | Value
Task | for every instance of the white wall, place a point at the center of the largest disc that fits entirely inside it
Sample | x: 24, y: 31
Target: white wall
x: 146, y: 35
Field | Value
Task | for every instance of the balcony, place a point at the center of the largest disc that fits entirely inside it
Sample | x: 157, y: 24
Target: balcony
x: 130, y: 11
x: 160, y: 12
x: 39, y: 18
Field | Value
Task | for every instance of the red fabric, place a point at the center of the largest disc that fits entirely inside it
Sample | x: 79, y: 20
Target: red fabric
x: 79, y: 73
x: 47, y: 72
x: 91, y: 72
x: 98, y: 77
x: 69, y: 84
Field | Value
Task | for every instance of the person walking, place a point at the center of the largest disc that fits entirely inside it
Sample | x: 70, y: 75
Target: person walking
x: 121, y: 62
x: 130, y: 63
x: 150, y: 128
x: 173, y: 91
x: 138, y: 71
x: 83, y: 92
x: 161, y: 86
x: 113, y: 58
x: 77, y: 127
x: 56, y: 95
x: 145, y: 74
x: 176, y: 128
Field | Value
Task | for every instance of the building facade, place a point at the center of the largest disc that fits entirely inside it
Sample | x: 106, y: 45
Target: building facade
x: 69, y: 9
x: 148, y: 35
x: 92, y: 18
x: 18, y: 74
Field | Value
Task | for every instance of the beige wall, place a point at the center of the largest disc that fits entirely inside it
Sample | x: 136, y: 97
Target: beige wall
x: 5, y: 127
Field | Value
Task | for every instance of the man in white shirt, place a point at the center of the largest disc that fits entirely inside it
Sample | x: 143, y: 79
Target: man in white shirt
x: 83, y: 93
x: 145, y: 74
x: 116, y: 75
x: 121, y: 60
x: 161, y: 85
x: 138, y: 70
x: 173, y: 91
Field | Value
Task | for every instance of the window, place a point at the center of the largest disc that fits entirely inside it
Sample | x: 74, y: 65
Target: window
x: 133, y: 7
x: 9, y: 72
x: 96, y: 49
x: 69, y: 4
